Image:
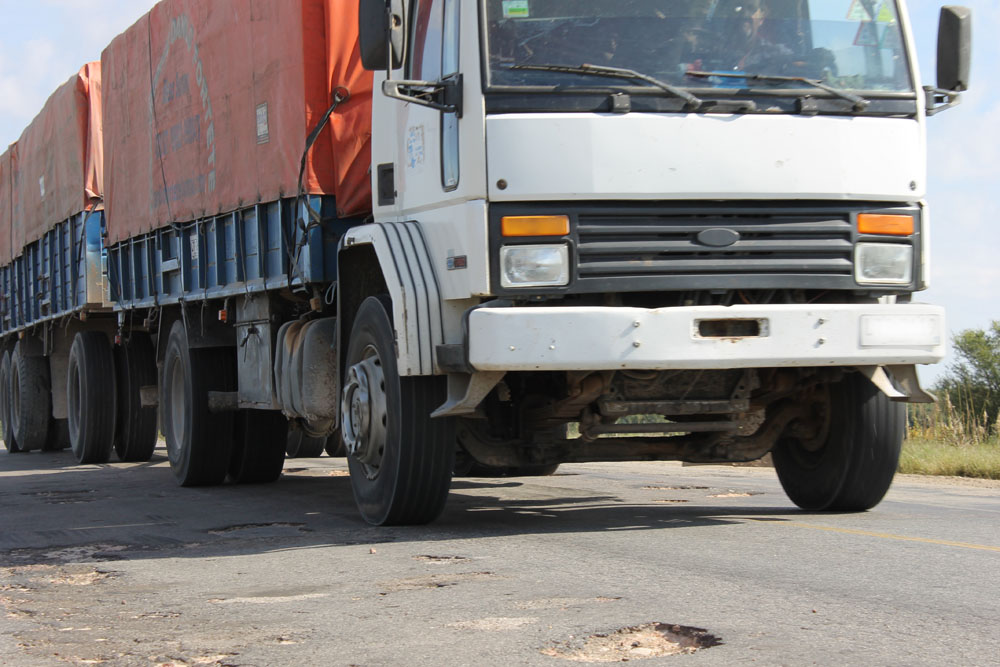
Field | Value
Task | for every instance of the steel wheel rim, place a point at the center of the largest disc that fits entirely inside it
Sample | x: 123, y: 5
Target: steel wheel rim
x: 365, y: 414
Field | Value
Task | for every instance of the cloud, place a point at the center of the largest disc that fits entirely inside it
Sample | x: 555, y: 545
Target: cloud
x: 43, y: 43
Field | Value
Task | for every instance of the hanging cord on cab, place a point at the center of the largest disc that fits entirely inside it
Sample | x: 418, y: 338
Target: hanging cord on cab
x: 340, y: 95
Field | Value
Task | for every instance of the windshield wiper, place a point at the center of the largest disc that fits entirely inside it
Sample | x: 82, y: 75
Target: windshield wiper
x: 860, y: 103
x: 693, y: 102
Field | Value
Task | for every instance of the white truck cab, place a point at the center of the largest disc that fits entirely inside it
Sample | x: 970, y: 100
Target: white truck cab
x: 640, y: 230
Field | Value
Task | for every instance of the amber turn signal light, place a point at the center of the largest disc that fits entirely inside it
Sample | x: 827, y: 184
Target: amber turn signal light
x: 534, y: 225
x: 877, y: 223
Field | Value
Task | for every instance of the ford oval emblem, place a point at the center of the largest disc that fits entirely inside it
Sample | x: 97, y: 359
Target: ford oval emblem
x: 718, y: 238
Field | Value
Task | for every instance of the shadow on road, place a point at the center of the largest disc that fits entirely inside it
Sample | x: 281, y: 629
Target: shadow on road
x: 55, y: 511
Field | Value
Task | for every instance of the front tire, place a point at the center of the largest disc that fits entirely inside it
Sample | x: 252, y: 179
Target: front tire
x: 400, y: 459
x: 849, y: 463
x: 199, y: 443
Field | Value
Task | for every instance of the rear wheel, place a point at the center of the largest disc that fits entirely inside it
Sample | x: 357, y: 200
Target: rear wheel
x: 5, y: 408
x: 847, y: 456
x: 302, y: 446
x: 30, y: 400
x: 135, y: 368
x: 259, y: 450
x: 199, y: 443
x: 90, y: 397
x: 400, y: 459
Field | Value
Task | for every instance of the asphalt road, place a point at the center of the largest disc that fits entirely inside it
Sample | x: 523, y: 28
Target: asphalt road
x: 115, y: 564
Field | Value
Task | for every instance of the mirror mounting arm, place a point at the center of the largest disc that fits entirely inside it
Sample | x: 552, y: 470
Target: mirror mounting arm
x: 939, y: 99
x: 445, y: 95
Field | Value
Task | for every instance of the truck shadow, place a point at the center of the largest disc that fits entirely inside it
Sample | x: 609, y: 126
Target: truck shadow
x: 58, y: 512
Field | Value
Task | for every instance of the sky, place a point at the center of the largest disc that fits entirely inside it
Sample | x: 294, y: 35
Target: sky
x: 43, y: 42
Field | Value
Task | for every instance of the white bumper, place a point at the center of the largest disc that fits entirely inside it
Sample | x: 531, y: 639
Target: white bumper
x: 599, y: 338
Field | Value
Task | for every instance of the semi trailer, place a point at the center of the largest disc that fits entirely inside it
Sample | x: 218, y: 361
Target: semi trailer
x: 505, y: 233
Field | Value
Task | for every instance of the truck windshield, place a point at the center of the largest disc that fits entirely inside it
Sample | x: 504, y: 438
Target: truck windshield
x: 845, y: 44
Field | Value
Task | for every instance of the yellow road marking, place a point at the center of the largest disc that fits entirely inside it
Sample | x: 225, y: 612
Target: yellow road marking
x: 884, y: 536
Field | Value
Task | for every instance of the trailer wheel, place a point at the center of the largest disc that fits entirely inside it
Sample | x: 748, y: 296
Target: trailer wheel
x: 199, y: 443
x: 5, y: 405
x: 58, y: 439
x: 30, y: 400
x: 90, y: 397
x: 302, y: 446
x: 135, y: 367
x: 847, y: 464
x: 400, y: 459
x: 259, y: 450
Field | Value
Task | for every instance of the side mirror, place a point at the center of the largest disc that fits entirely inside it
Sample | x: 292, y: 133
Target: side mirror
x: 954, y: 48
x: 381, y: 29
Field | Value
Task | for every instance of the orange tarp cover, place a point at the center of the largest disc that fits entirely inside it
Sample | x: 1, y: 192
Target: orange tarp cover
x: 208, y: 103
x: 6, y: 206
x: 58, y: 162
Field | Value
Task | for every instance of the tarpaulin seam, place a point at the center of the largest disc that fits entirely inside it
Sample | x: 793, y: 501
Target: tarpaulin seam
x: 152, y: 108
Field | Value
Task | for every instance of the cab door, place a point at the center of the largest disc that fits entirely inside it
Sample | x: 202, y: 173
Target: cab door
x: 428, y: 172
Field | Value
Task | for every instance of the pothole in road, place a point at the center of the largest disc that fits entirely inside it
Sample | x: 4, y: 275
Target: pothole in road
x: 84, y: 553
x: 64, y: 497
x: 432, y: 581
x: 652, y: 640
x: 735, y: 494
x: 441, y: 560
x: 674, y: 488
x: 257, y: 526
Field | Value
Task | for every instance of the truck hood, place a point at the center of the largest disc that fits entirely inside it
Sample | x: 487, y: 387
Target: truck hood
x: 576, y: 156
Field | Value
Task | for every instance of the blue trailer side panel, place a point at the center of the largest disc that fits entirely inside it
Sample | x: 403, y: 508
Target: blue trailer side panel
x: 267, y: 246
x: 60, y: 274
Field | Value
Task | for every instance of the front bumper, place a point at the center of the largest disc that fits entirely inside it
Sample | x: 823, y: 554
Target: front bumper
x: 607, y: 338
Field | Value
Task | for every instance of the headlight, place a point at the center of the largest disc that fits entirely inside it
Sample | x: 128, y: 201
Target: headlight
x: 883, y: 263
x: 534, y: 265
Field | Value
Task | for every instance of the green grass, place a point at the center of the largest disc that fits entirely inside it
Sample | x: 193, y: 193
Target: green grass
x: 922, y: 456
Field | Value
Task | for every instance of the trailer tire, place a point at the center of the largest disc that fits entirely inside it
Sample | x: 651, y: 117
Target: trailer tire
x: 259, y: 448
x: 58, y: 439
x: 5, y: 405
x: 199, y: 443
x: 135, y: 367
x: 90, y: 397
x: 400, y: 459
x: 851, y: 466
x: 302, y: 446
x: 31, y: 400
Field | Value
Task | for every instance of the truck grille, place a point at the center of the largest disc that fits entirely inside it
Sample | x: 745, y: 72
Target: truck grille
x: 620, y: 247
x: 667, y: 245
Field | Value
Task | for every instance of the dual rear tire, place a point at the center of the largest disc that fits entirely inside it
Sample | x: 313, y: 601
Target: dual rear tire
x: 205, y: 447
x: 28, y: 402
x: 104, y: 398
